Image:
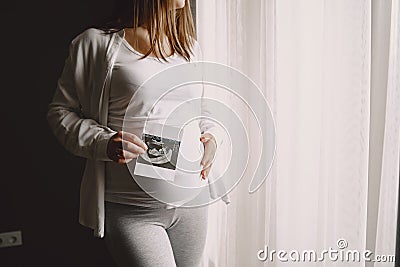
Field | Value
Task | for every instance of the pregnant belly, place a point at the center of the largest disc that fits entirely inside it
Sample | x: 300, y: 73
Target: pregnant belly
x: 187, y: 182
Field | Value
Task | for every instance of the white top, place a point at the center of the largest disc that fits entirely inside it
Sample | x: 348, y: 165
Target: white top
x: 128, y: 75
x: 78, y: 114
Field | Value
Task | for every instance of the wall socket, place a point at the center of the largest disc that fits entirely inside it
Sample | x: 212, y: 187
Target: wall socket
x: 10, y: 239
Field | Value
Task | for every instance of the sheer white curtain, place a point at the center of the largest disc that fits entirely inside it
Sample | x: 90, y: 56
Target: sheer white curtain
x: 312, y: 59
x: 389, y: 182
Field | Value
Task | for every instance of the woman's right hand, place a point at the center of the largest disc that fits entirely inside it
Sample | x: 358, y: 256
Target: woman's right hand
x: 132, y: 143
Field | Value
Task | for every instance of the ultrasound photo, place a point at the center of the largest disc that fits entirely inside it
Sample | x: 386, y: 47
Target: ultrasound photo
x: 162, y: 152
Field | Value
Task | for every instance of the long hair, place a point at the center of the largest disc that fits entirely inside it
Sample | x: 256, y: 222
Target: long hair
x: 161, y: 19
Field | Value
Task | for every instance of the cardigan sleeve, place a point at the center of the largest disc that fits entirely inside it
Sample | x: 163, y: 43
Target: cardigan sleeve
x: 207, y: 125
x: 81, y: 136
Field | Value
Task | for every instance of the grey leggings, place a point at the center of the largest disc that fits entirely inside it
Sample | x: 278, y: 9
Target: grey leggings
x: 151, y: 237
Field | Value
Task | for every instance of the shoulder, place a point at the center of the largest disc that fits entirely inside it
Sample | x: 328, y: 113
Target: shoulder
x: 92, y: 37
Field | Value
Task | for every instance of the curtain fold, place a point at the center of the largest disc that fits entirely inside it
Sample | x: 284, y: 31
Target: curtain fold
x: 389, y: 182
x: 312, y: 61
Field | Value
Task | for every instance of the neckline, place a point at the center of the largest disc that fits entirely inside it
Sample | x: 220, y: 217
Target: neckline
x: 128, y: 45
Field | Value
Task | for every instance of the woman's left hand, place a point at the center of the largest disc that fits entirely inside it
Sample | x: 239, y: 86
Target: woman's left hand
x: 210, y: 148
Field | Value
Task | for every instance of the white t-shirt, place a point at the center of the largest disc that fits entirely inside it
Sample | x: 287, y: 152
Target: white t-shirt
x: 128, y: 74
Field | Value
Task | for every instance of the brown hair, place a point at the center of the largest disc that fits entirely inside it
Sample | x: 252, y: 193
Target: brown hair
x: 161, y: 19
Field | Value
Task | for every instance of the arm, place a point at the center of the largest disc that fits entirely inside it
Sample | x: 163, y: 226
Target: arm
x: 207, y: 125
x: 81, y: 136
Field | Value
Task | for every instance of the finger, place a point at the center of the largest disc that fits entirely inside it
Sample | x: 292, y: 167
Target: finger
x: 127, y: 145
x: 206, y: 137
x: 207, y: 169
x: 128, y: 155
x: 134, y: 139
x: 209, y: 153
x: 205, y: 172
x: 133, y: 148
x: 124, y: 157
x: 123, y: 161
x: 205, y: 163
x: 203, y: 175
x: 208, y: 158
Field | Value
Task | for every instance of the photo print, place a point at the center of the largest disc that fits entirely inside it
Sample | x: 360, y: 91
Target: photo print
x: 161, y: 157
x: 162, y: 152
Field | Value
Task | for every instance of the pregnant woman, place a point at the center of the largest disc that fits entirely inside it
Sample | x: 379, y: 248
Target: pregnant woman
x: 104, y: 69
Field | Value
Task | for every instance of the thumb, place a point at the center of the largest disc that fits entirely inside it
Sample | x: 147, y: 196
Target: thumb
x: 205, y: 137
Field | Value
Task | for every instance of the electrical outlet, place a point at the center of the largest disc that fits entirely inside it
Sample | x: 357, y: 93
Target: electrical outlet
x: 10, y: 239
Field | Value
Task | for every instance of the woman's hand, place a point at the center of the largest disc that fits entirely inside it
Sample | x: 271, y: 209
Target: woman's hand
x: 132, y: 143
x: 210, y: 148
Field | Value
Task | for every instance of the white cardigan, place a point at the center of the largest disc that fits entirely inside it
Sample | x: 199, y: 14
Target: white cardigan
x: 77, y: 115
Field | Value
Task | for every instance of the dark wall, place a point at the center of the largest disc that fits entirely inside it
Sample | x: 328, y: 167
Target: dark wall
x: 39, y: 185
x: 40, y: 181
